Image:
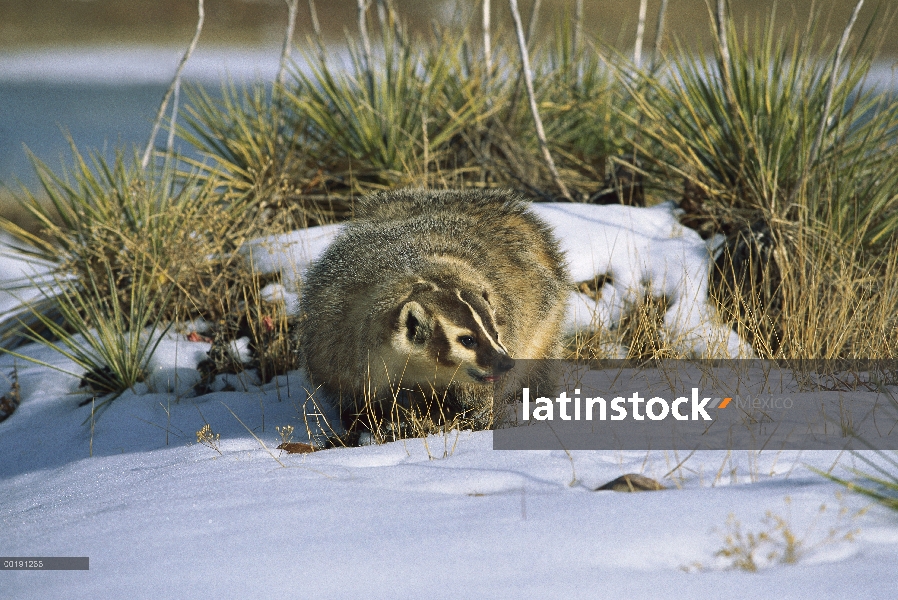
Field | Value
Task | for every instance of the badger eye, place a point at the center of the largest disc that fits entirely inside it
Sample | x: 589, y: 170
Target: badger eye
x: 467, y: 341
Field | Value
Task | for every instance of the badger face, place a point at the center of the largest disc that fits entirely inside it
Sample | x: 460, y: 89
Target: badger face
x: 451, y: 336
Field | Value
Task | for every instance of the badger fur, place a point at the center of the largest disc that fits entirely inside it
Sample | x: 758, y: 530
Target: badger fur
x: 432, y: 294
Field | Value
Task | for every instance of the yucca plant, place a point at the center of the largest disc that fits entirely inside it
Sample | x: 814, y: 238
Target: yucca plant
x: 779, y: 129
x: 880, y: 483
x: 257, y: 152
x: 879, y: 479
x: 390, y: 121
x: 109, y: 336
x: 579, y: 97
x: 105, y: 219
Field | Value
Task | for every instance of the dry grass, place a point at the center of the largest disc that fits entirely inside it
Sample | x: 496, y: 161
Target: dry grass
x: 429, y: 114
x: 816, y: 297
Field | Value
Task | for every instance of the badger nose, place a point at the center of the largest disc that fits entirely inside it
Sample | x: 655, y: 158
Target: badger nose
x: 504, y: 364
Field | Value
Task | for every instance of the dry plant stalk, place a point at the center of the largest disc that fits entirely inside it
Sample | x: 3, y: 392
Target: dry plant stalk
x: 292, y: 7
x: 176, y: 82
x: 640, y: 33
x: 316, y: 29
x: 362, y: 9
x: 531, y: 25
x: 837, y: 62
x: 724, y: 46
x: 659, y: 35
x: 487, y: 44
x: 528, y: 82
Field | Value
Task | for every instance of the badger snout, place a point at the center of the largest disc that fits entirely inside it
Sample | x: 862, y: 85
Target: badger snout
x: 503, y: 365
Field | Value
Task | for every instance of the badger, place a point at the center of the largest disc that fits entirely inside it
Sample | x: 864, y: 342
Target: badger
x: 432, y: 295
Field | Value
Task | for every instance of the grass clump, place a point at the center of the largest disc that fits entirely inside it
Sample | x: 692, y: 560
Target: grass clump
x: 109, y: 336
x: 778, y: 146
x: 786, y: 131
x: 113, y: 226
x: 129, y: 252
x: 777, y: 541
x: 879, y: 479
x: 416, y: 111
x: 879, y: 483
x: 257, y: 154
x: 392, y: 121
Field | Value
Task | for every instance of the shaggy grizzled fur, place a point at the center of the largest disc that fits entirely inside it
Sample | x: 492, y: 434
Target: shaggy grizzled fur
x: 434, y: 294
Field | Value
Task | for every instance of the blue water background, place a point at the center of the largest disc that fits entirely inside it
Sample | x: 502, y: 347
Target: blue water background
x: 40, y: 115
x: 106, y: 99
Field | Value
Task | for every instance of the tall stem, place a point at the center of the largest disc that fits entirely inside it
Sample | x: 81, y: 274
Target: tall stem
x: 528, y: 82
x: 640, y: 33
x: 292, y: 7
x: 176, y: 80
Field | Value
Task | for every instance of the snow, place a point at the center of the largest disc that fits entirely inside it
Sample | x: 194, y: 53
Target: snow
x: 161, y: 515
x: 646, y: 251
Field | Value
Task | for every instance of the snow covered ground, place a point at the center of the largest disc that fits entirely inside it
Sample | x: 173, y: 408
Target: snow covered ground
x: 163, y: 516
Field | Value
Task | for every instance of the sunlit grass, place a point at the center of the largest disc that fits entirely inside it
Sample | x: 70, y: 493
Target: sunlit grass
x: 757, y: 137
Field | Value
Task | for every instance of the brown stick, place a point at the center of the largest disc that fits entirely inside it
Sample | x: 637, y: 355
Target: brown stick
x: 528, y: 82
x: 171, y: 88
x: 292, y: 7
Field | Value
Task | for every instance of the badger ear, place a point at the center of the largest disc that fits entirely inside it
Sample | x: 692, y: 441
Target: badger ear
x: 415, y: 322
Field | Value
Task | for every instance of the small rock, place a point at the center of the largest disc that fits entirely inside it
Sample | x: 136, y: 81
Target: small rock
x: 632, y: 482
x: 297, y: 448
x: 10, y: 402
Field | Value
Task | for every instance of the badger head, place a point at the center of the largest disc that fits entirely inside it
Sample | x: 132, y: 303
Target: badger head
x: 451, y: 335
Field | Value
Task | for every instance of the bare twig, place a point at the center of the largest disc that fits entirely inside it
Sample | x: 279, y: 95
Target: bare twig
x: 382, y: 13
x: 487, y: 44
x: 528, y: 81
x: 659, y: 36
x: 316, y: 29
x: 531, y: 30
x: 837, y: 64
x: 578, y: 27
x: 640, y: 33
x: 363, y: 31
x: 170, y: 143
x: 531, y: 26
x: 292, y: 7
x: 723, y: 41
x: 723, y: 46
x: 175, y: 83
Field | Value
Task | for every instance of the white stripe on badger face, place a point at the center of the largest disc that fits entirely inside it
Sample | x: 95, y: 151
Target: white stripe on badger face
x: 495, y: 343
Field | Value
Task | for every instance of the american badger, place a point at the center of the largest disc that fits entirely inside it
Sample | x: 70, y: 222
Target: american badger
x: 432, y: 294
